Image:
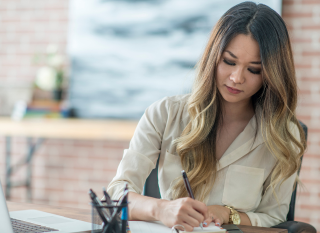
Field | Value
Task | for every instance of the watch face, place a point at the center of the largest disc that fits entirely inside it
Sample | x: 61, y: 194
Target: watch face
x: 236, y: 219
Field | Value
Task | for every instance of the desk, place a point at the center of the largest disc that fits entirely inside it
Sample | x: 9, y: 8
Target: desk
x: 85, y: 215
x: 41, y: 129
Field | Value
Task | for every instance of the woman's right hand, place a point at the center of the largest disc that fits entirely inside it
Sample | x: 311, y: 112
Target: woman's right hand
x: 183, y: 211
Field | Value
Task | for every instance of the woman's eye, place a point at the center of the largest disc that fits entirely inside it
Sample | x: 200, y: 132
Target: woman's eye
x: 255, y: 71
x: 228, y: 62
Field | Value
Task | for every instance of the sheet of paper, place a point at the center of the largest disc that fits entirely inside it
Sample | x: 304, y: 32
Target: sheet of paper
x: 148, y: 227
x: 158, y: 227
x: 210, y: 228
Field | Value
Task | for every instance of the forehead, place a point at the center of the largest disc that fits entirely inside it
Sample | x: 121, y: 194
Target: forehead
x: 245, y: 48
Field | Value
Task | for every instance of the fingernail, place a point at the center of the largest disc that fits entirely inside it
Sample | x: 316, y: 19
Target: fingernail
x: 205, y: 223
x: 218, y: 224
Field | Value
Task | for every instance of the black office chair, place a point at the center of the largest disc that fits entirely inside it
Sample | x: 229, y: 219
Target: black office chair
x: 291, y: 225
x: 151, y: 189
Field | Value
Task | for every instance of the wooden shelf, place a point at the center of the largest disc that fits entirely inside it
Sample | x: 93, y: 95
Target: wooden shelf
x: 69, y: 128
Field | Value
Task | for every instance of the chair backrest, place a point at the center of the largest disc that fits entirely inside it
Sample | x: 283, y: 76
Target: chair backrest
x: 290, y: 215
x: 151, y: 187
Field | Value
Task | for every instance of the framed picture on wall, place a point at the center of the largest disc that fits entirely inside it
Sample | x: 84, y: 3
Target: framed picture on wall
x: 126, y: 54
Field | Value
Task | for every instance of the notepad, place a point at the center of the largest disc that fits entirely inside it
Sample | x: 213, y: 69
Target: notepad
x: 210, y: 229
x: 158, y: 227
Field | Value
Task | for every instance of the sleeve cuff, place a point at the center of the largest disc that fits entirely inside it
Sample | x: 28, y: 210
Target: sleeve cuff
x: 254, y: 218
x: 116, y: 191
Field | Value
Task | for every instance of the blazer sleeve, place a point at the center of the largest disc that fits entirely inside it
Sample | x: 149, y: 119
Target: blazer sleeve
x: 272, y: 210
x: 141, y: 157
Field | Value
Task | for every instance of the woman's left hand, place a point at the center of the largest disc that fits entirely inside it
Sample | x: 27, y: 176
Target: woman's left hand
x: 217, y: 214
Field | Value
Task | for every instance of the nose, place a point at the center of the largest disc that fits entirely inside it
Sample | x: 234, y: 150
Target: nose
x: 237, y: 76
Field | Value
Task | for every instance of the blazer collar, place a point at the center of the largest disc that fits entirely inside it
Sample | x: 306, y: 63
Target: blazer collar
x: 247, y: 140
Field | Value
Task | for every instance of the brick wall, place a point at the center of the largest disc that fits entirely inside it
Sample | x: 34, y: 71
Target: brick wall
x: 65, y: 169
x: 303, y: 20
x: 27, y: 27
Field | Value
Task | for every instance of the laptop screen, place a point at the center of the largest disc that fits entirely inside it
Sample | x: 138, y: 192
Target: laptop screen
x: 4, y: 214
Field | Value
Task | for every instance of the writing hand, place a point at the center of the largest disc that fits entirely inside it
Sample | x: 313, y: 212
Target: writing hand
x: 184, y: 211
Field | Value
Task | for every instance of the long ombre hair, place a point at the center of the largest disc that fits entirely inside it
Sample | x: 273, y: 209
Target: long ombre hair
x: 277, y: 98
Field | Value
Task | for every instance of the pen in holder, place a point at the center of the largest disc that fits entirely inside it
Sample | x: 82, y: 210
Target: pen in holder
x: 105, y: 222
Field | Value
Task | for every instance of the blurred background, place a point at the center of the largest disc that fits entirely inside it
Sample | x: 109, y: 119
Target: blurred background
x: 72, y: 69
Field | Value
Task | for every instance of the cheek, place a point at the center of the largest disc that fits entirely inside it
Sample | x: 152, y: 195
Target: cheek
x: 256, y: 84
x: 222, y: 72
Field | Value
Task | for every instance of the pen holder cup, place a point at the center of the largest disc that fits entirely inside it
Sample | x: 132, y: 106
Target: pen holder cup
x: 106, y: 218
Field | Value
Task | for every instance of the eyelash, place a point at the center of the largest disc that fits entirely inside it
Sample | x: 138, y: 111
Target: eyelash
x: 233, y: 64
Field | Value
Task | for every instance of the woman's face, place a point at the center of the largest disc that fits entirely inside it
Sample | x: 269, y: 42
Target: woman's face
x: 239, y: 70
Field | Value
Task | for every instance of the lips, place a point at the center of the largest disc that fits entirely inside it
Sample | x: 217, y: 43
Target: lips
x: 233, y: 90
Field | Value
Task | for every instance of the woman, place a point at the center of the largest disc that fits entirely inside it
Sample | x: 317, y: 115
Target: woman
x: 236, y: 135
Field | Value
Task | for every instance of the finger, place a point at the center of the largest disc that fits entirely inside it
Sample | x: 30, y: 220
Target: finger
x: 196, y: 215
x: 182, y: 225
x: 187, y: 227
x: 179, y: 227
x: 207, y: 222
x: 191, y: 221
x: 218, y: 222
x: 200, y: 207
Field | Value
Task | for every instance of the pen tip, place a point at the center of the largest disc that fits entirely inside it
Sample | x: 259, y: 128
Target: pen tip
x: 104, y: 188
x: 184, y: 174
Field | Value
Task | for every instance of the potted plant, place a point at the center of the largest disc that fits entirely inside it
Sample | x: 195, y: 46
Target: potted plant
x: 51, y: 76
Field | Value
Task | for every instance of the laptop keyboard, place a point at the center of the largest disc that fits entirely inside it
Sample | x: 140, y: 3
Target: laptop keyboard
x: 27, y: 227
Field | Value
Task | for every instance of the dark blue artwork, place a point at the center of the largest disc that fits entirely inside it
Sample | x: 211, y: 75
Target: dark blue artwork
x: 127, y: 54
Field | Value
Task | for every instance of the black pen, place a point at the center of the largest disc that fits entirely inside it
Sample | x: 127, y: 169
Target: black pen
x: 107, y: 198
x: 113, y: 218
x: 124, y: 215
x: 94, y: 199
x: 188, y: 187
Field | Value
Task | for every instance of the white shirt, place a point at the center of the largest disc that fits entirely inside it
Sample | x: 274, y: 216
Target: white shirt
x: 243, y: 173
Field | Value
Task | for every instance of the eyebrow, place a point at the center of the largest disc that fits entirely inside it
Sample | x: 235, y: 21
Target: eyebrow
x: 234, y: 56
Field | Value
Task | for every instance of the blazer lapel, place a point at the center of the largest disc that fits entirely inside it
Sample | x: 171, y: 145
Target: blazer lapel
x: 243, y: 144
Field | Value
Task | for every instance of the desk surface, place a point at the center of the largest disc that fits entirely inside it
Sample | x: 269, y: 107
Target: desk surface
x: 69, y: 128
x: 85, y: 215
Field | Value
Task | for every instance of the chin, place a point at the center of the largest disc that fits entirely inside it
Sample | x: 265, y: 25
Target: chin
x: 231, y: 99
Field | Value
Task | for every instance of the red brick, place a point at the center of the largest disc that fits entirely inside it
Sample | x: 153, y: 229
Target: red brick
x: 286, y: 3
x: 303, y: 66
x: 304, y: 92
x: 310, y: 181
x: 296, y: 15
x: 311, y: 27
x: 300, y: 40
x: 311, y: 2
x: 311, y: 53
x: 312, y: 156
x: 299, y: 219
x: 310, y: 79
x: 310, y: 207
x: 313, y: 130
x: 86, y: 144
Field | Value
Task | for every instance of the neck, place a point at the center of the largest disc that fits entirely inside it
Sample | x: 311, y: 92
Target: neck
x: 242, y: 111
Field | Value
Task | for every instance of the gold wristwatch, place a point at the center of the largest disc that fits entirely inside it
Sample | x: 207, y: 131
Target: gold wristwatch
x: 234, y: 217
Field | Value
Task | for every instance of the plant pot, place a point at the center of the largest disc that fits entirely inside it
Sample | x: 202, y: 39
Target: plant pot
x: 57, y: 94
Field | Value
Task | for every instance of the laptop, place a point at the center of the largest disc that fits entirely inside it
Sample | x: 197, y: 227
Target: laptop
x: 37, y: 221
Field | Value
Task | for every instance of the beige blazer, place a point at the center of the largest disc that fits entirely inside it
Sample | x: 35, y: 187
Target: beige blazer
x: 243, y: 175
